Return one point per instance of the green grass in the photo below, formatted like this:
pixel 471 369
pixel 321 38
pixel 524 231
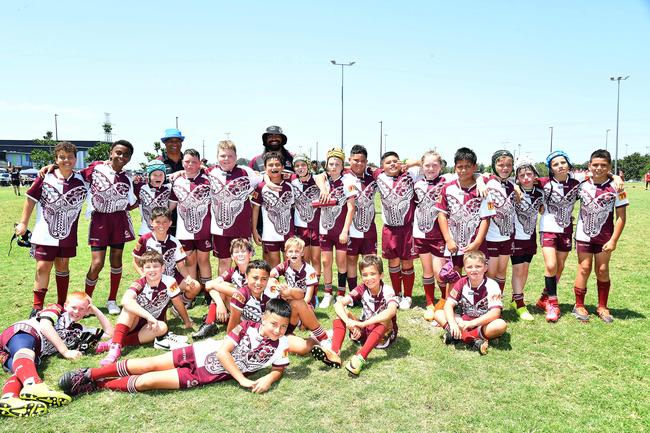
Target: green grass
pixel 538 378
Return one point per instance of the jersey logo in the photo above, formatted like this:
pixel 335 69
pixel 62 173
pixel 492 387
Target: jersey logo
pixel 61 210
pixel 228 199
pixel 193 205
pixel 279 210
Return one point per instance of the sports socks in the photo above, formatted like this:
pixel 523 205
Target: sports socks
pixel 39 298
pixel 328 288
pixel 124 384
pixel 116 277
pixel 338 336
pixel 25 370
pixel 501 282
pixel 580 296
pixel 212 313
pixel 395 273
pixel 352 282
pixel 551 288
pixel 117 369
pixel 343 276
pixel 429 289
pixel 319 334
pixel 408 278
pixel 90 286
pixel 518 298
pixel 443 289
pixel 376 334
pixel 12 387
pixel 62 284
pixel 122 336
pixel 603 292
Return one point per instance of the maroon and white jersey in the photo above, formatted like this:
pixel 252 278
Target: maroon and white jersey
pixel 559 200
pixel 364 213
pixel 305 193
pixel 502 224
pixel 155 299
pixel 475 302
pixel 276 212
pixel 596 216
pixel 58 205
pixel 332 218
pixel 397 204
pixel 427 193
pixel 301 278
pixel 230 207
pixel 251 307
pixel 171 250
pixel 371 305
pixel 252 351
pixel 110 191
pixel 233 276
pixel 150 197
pixel 69 330
pixel 465 209
pixel 526 212
pixel 193 198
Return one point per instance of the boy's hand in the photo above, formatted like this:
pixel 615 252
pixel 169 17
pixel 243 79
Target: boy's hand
pixel 609 246
pixel 72 354
pixel 45 170
pixel 454 330
pixel 343 238
pixel 256 237
pixel 246 383
pixel 152 322
pixel 172 177
pixel 481 187
pixel 222 313
pixel 518 193
pixel 261 385
pixel 189 324
pixel 355 332
pixel 452 247
pixel 20 229
pixel 473 246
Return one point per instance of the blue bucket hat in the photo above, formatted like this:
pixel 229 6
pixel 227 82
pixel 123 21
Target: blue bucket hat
pixel 172 133
pixel 554 155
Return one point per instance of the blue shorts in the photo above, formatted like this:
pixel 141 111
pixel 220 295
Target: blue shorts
pixel 21 340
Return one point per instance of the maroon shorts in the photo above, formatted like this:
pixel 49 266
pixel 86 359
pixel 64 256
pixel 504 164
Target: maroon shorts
pixel 110 229
pixel 221 246
pixel 196 364
pixel 203 245
pixel 397 243
pixel 389 337
pixel 559 241
pixel 362 246
pixel 329 241
pixel 430 246
pixel 525 247
pixel 309 236
pixel 588 247
pixel 496 249
pixel 272 246
pixel 48 253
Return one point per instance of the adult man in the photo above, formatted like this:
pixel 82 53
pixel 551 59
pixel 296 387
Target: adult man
pixel 273 140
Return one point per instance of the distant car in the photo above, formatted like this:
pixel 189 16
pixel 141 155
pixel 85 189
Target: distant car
pixel 5 178
pixel 27 178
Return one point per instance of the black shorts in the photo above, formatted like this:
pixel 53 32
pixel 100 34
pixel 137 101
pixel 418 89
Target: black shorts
pixel 517 260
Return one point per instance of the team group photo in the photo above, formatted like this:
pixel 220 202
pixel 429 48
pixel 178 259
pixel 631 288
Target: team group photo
pixel 172 277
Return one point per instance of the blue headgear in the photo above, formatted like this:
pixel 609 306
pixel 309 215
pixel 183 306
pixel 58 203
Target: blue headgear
pixel 155 165
pixel 554 155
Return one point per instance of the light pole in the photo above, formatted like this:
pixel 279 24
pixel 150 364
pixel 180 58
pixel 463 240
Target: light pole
pixel 56 127
pixel 551 128
pixel 618 100
pixel 519 153
pixel 381 142
pixel 342 65
pixel 606 137
pixel 176 122
pixel 385 142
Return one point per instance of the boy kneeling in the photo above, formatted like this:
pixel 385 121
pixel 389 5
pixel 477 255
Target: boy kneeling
pixel 378 324
pixel 478 299
pixel 247 348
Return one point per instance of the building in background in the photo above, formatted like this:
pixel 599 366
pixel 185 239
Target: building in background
pixel 17 152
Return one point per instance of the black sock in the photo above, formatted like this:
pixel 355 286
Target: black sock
pixel 551 286
pixel 343 277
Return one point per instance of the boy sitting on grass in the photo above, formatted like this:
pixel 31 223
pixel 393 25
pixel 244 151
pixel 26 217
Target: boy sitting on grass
pixel 247 348
pixel 296 272
pixel 145 305
pixel 478 300
pixel 378 324
pixel 23 344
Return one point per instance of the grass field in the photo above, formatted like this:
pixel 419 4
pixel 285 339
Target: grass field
pixel 539 378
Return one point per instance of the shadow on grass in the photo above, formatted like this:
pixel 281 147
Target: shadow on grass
pixel 618 313
pixel 399 349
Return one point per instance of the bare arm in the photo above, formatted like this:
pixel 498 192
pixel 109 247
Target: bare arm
pixel 384 316
pixel 106 324
pixel 454 329
pixel 256 216
pixel 610 245
pixel 182 311
pixel 137 267
pixel 48 331
pixel 28 208
pixel 264 383
pixel 488 317
pixel 235 319
pixel 444 229
pixel 131 306
pixel 480 236
pixel 343 237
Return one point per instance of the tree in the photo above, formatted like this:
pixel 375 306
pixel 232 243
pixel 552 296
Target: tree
pixel 542 169
pixel 99 152
pixel 41 157
pixel 157 147
pixel 633 166
pixel 243 161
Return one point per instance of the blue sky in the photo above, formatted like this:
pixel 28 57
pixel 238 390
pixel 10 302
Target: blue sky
pixel 481 74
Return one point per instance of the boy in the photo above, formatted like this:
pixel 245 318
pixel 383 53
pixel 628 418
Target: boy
pixel 191 197
pixel 249 303
pixel 221 288
pixel 335 221
pixel 378 324
pixel 111 197
pixel 363 231
pixel 478 299
pixel 396 189
pixel 154 193
pixel 464 214
pixel 276 209
pixel 597 233
pixel 22 345
pixel 231 186
pixel 306 217
pixel 145 304
pixel 246 349
pixel 58 197
pixel 296 271
pixel 171 250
